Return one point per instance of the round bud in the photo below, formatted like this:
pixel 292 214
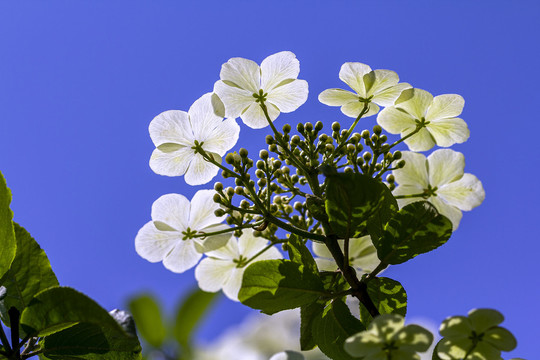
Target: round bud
pixel 366 156
pixel 285 247
pixel 244 204
pixel 401 164
pixel 229 220
pixel 296 152
pixel 243 153
pixel 229 158
pixel 343 132
pixel 298 206
pixel 350 148
pixel 299 172
pixel 269 139
pixel 272 148
pixel 329 147
pixel 273 208
pixel 278 173
pixel 261 182
pixel 383 138
pixel 390 178
pixel 385 147
pixel 348 170
pixel 356 136
pixel 224 174
pixel 378 167
pixel 286 128
pixel 288 209
pixel 277 164
pixel 323 138
pixel 219 212
pixel 295 140
pixel 294 178
pixel 285 170
pixel 259 173
pixel 318 126
pixel 315 163
pixel 359 160
pixel 273 187
pixel 239 190
pixel 217 198
pixel 263 154
pixel 218 186
pixel 365 134
pixel 308 126
pixel 260 164
pixel 278 199
pixel 335 126
pixel 397 155
pixel 359 147
pixel 237 158
pixel 377 129
pixel 238 182
pixel 374 138
pixel 230 191
pixel 300 127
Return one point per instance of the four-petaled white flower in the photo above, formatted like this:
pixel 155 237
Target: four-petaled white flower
pixel 169 237
pixel 244 85
pixel 224 267
pixel 376 87
pixel 436 116
pixel 176 134
pixel 362 255
pixel 439 179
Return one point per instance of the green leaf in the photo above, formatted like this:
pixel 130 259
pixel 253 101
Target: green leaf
pixel 8 243
pixel 147 315
pixel 275 285
pixel 308 313
pixel 190 313
pixel 299 253
pixel 389 297
pixel 351 199
pixel 332 327
pixel 377 222
pixel 415 229
pixel 30 273
pixel 316 207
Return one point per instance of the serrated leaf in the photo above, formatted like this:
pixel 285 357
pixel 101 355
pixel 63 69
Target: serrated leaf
pixel 148 319
pixel 299 253
pixel 415 229
pixel 351 199
pixel 332 327
pixel 389 297
pixel 377 222
pixel 30 273
pixel 308 313
pixel 275 285
pixel 8 244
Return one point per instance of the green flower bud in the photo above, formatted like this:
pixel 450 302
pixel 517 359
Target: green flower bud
pixel 295 140
pixel 277 164
pixel 225 174
pixel 278 173
pixel 237 158
pixel 374 138
pixel 269 139
pixel 229 158
pixel 359 147
pixel 230 191
pixel 285 170
pixel 259 174
pixel 359 160
pixel 366 156
pixel 288 209
pixel 229 220
pixel 397 155
pixel 217 198
pixel 285 247
pixel 261 182
pixel 298 206
pixel 238 182
pixel 218 186
pixel 243 153
pixel 294 178
pixel 277 199
pixel 378 167
pixel 273 187
pixel 219 212
pixel 263 154
pixel 377 129
pixel 385 147
pixel 260 165
pixel 273 208
pixel 272 148
pixel 329 147
pixel 365 134
pixel 343 133
pixel 308 127
pixel 239 190
pixel 336 126
pixel 300 127
pixel 244 204
pixel 350 148
pixel 323 138
pixel 286 128
pixel 401 164
pixel 390 178
pixel 318 126
pixel 348 170
pixel 383 138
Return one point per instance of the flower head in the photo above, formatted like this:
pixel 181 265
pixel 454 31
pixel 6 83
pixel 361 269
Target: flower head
pixel 373 87
pixel 177 134
pixel 434 116
pixel 174 235
pixel 439 179
pixel 244 85
pixel 388 338
pixel 477 336
pixel 224 267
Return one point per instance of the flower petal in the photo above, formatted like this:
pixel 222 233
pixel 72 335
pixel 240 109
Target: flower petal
pixel 223 137
pixel 227 252
pixel 414 101
pixel 202 210
pixel 421 141
pixel 212 242
pixel 183 257
pixel 450 211
pixel 456 326
pixel 483 319
pixel 454 348
pixel 172 210
pixel 414 172
pixel 485 351
pixel 277 68
pixel 337 97
pixel 353 109
pixel 212 274
pixel 242 73
pixel 445 166
pixel 413 338
pixel 236 100
pixel 364 344
pixel 254 116
pixel 171 163
pixel 321 250
pixel 234 283
pixel 500 338
pixel 289 97
pixel 465 194
pixel 249 244
pixel 378 80
pixel 352 73
pixel 445 106
pixel 203 117
pixel 324 264
pixel 201 171
pixel 171 126
pixel 395 120
pixel 388 96
pixel 152 244
pixel 363 254
pixel 448 132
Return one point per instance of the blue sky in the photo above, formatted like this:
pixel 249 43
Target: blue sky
pixel 81 80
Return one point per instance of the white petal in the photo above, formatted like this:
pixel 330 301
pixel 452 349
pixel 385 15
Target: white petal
pixel 249 245
pixel 395 120
pixel 353 109
pixel 451 212
pixel 324 264
pixel 415 171
pixel 363 254
pixel 445 166
pixel 236 100
pixel 465 193
pixel 172 210
pixel 242 73
pixel 254 116
pixel 228 252
pixel 171 127
pixel 203 117
pixel 378 80
pixel 212 274
pixel 415 102
pixel 202 210
pixel 445 106
pixel 290 96
pixel 171 163
pixel 352 73
pixel 407 201
pixel 212 242
pixel 277 68
pixel 388 96
pixel 337 97
pixel 448 132
pixel 183 257
pixel 270 254
pixel 421 141
pixel 201 171
pixel 321 250
pixel 234 283
pixel 223 137
pixel 408 190
pixel 152 244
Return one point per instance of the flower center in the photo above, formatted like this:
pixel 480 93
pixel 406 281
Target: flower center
pixel 365 100
pixel 197 146
pixel 421 123
pixel 430 191
pixel 240 262
pixel 260 97
pixel 476 338
pixel 189 234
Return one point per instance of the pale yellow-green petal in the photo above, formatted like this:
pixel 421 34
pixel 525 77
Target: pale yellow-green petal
pixel 171 163
pixel 414 101
pixel 445 106
pixel 202 117
pixel 448 132
pixel 352 73
pixel 211 274
pixel 242 73
pixel 235 100
pixel 453 348
pixel 421 141
pixel 388 96
pixel 222 138
pixel 445 166
pixel 353 109
pixel 201 171
pixel 172 210
pixel 153 244
pixel 378 80
pixel 254 116
pixel 277 68
pixel 290 96
pixel 483 319
pixel 465 193
pixel 171 126
pixel 415 171
pixel 183 257
pixel 456 326
pixel 395 120
pixel 337 97
pixel 500 338
pixel 413 338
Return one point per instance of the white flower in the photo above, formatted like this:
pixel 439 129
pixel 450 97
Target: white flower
pixel 175 132
pixel 243 82
pixel 362 255
pixel 224 267
pixel 378 87
pixel 436 115
pixel 169 236
pixel 440 180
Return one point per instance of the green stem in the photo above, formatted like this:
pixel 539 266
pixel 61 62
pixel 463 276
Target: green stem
pixel 409 196
pixel 263 250
pixel 293 229
pixel 4 339
pixel 245 226
pixel 382 265
pixel 418 128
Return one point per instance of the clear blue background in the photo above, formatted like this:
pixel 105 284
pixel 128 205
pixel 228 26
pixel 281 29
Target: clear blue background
pixel 81 80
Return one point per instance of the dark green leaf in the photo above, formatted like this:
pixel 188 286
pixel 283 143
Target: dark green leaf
pixel 148 319
pixel 334 281
pixel 389 297
pixel 351 199
pixel 308 313
pixel 299 253
pixel 415 229
pixel 192 310
pixel 275 285
pixel 332 327
pixel 29 274
pixel 376 223
pixel 316 207
pixel 8 244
